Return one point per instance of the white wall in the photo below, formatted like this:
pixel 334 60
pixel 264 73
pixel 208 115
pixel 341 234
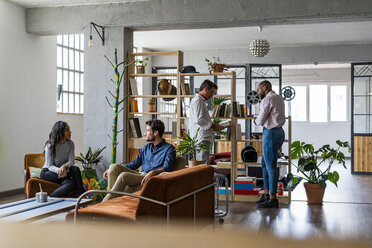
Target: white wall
pixel 27 95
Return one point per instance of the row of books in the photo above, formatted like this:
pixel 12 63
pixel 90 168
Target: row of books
pixel 239 110
pixel 135 128
pixel 254 191
pixel 242 186
pixel 133 105
pixel 225 110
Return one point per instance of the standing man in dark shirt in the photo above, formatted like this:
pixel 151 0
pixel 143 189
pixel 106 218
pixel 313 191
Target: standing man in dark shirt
pixel 272 118
pixel 155 158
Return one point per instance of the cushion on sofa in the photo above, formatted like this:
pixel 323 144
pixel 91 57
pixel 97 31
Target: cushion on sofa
pixel 34 172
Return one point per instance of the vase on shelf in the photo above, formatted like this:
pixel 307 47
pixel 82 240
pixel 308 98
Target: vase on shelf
pixel 140 69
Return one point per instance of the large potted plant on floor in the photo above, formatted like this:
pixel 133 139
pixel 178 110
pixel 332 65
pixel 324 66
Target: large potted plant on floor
pixel 315 167
pixel 190 145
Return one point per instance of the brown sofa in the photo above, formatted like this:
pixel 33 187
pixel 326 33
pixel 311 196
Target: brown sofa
pixel 165 188
pixel 32 184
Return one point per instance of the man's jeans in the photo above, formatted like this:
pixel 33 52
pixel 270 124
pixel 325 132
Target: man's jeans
pixel 272 140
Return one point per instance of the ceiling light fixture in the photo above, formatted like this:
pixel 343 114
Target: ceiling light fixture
pixel 101 36
pixel 259 48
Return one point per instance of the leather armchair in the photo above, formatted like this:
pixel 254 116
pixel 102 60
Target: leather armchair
pixel 32 184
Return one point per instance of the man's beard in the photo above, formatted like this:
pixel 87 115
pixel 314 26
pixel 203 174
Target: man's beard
pixel 150 139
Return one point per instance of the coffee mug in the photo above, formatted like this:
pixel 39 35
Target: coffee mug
pixel 41 197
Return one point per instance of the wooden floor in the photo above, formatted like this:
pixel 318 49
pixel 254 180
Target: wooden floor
pixel 346 212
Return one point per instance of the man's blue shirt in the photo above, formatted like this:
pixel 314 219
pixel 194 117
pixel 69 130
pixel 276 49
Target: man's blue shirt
pixel 160 157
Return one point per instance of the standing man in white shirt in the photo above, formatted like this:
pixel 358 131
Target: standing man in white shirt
pixel 200 118
pixel 271 116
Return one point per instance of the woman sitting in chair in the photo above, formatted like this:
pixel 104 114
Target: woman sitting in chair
pixel 59 161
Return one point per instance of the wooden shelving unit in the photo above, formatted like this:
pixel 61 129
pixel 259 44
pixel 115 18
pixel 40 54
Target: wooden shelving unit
pixel 181 119
pixel 132 74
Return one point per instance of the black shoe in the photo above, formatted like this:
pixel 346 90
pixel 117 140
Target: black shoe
pixel 264 197
pixel 271 203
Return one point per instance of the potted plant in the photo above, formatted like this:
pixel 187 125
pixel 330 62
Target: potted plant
pixel 216 65
pixel 314 172
pixel 90 158
pixel 89 175
pixel 141 64
pixel 151 105
pixel 190 145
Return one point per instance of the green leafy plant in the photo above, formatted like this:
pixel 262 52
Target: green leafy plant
pixel 152 101
pixel 310 161
pixel 218 100
pixel 142 61
pixel 90 158
pixel 190 145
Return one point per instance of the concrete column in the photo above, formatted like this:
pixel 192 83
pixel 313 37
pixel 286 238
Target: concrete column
pixel 98 115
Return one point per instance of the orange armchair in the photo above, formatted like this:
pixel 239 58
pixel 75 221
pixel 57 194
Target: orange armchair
pixel 32 184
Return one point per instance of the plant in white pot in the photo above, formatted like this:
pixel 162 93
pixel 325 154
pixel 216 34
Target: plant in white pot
pixel 312 164
pixel 191 145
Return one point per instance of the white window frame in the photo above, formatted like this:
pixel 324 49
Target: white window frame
pixel 80 72
pixel 329 84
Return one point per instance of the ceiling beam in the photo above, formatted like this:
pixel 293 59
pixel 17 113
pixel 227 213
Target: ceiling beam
pixel 182 14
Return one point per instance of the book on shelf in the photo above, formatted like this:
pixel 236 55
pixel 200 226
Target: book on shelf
pixel 138 127
pixel 238 132
pixel 183 88
pixel 222 190
pixel 228 133
pixel 240 110
pixel 134 105
pixel 234 109
pixel 244 179
pixel 174 130
pixel 222 110
pixel 132 129
pixel 135 127
pixel 133 86
pixel 255 191
pixel 243 186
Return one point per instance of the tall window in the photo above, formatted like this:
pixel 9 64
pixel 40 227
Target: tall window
pixel 70 73
pixel 318 103
pixel 298 105
pixel 338 103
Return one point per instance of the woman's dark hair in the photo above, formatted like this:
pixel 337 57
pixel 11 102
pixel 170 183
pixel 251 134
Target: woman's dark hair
pixel 56 135
pixel 156 125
